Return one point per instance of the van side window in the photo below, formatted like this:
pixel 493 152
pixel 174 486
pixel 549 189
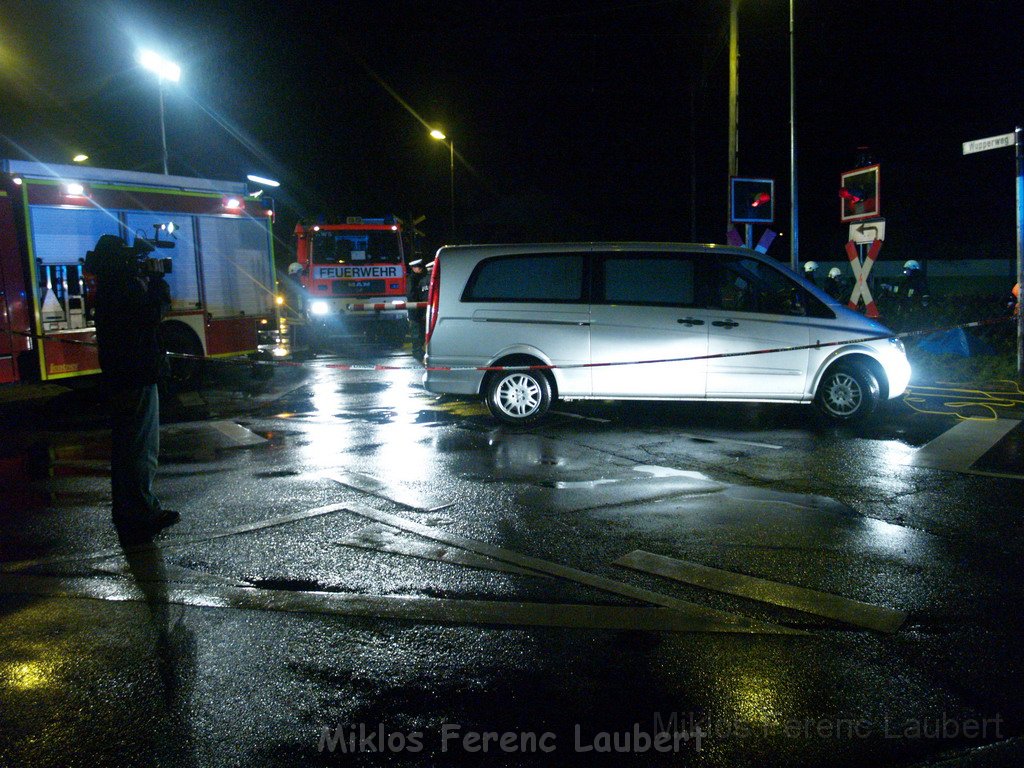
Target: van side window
pixel 552 278
pixel 663 280
pixel 746 285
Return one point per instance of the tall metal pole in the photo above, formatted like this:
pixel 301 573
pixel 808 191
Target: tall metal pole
pixel 1019 153
pixel 451 173
pixel 794 247
pixel 163 131
pixel 734 88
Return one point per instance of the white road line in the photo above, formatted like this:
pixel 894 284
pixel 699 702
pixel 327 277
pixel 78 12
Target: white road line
pixel 170 543
pixel 830 606
pixel 381 538
pixel 418 609
pixel 709 619
pixel 390 491
pixel 956 449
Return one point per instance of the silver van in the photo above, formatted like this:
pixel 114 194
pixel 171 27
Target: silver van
pixel 524 325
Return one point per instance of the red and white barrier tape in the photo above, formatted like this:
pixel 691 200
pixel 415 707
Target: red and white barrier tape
pixel 487 368
pixel 382 306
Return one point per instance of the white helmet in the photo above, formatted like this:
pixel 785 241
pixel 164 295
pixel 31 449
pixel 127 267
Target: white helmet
pixel 294 268
pixel 835 272
pixel 911 265
pixel 810 266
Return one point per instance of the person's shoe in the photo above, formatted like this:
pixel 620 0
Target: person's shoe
pixel 132 534
pixel 164 519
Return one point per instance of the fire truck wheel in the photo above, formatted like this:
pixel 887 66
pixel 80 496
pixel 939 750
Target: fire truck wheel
pixel 186 373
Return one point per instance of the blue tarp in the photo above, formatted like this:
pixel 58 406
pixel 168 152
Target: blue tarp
pixel 956 342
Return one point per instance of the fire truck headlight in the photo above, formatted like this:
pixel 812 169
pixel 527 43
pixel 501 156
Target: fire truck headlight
pixel 320 308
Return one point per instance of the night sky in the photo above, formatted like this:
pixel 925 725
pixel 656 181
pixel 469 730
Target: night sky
pixel 571 121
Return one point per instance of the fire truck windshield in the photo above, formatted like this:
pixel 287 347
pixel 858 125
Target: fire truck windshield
pixel 376 246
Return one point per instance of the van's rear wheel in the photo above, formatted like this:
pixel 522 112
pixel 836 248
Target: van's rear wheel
pixel 519 397
pixel 848 393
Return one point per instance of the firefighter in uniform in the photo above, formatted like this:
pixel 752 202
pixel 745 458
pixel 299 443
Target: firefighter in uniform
pixel 810 268
pixel 130 303
pixel 834 285
pixel 416 291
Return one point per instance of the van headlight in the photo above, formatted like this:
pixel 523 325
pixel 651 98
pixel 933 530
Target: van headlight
pixel 320 308
pixel 897 345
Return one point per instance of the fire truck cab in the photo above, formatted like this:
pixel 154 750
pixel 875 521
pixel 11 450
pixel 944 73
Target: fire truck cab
pixel 356 262
pixel 221 277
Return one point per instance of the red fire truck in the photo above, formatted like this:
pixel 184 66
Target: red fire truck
pixel 359 261
pixel 222 275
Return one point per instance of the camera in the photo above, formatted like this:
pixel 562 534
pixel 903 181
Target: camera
pixel 112 254
pixel 151 265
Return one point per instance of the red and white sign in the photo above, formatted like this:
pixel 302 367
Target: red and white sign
pixel 859 194
pixel 860 275
pixel 374 272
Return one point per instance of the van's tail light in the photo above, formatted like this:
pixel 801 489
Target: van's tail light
pixel 433 298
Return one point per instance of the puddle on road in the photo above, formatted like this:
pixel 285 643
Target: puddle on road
pixel 276 473
pixel 363 387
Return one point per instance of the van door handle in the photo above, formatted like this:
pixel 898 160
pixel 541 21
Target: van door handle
pixel 725 323
pixel 691 321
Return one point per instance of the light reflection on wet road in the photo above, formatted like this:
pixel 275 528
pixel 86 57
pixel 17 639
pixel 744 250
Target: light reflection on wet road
pixel 241 641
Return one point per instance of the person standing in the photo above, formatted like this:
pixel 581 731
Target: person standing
pixel 835 286
pixel 416 291
pixel 130 303
pixel 810 271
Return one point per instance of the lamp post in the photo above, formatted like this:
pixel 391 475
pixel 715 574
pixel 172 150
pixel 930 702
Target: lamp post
pixel 439 135
pixel 164 70
pixel 794 253
pixel 794 240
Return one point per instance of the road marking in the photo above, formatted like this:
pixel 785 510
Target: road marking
pixel 710 620
pixel 382 538
pixel 464 408
pixel 830 606
pixel 235 435
pixel 418 609
pixel 956 449
pixel 238 434
pixel 389 491
pixel 170 543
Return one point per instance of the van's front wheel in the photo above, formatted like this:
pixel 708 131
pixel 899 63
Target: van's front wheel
pixel 848 393
pixel 519 397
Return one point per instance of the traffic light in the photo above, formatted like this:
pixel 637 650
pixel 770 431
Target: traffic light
pixel 858 194
pixel 753 201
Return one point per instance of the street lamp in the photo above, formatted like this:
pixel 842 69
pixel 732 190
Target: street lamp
pixel 794 253
pixel 164 70
pixel 439 135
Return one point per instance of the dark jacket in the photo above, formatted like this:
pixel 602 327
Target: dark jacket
pixel 129 308
pixel 417 289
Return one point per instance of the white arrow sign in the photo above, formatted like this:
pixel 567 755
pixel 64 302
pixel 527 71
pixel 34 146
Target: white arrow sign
pixel 867 231
pixel 992 142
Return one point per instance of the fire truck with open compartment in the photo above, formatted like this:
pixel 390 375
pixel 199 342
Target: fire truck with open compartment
pixel 358 261
pixel 222 276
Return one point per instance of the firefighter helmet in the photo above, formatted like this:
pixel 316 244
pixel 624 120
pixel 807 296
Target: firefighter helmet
pixel 810 266
pixel 834 273
pixel 911 266
pixel 295 268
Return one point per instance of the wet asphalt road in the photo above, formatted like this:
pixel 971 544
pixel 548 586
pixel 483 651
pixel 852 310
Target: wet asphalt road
pixel 366 574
